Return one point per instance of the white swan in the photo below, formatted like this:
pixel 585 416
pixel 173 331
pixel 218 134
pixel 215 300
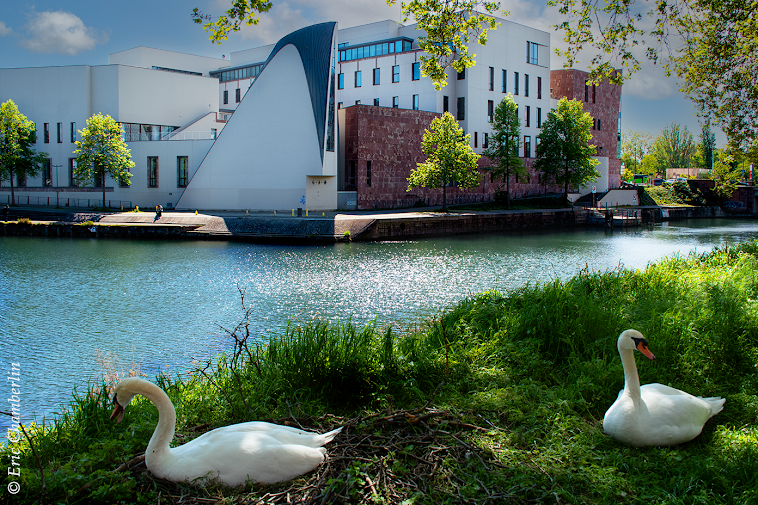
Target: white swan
pixel 654 414
pixel 255 451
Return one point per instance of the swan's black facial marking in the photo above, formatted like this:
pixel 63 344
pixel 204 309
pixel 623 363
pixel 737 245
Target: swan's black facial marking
pixel 641 345
pixel 118 410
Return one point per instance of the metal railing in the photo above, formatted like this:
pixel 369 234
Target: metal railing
pixel 81 203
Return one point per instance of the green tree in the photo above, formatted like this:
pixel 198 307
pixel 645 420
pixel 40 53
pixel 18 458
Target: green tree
pixel 674 147
pixel 449 27
pixel 102 152
pixel 564 153
pixel 725 174
pixel 504 145
pixel 707 144
pixel 634 146
pixel 649 165
pixel 450 159
pixel 18 157
pixel 710 45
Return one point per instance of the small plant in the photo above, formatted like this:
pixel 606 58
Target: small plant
pixel 24 220
pixel 89 222
pixel 346 234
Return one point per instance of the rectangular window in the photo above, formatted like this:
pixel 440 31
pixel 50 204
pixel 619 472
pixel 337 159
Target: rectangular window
pixel 527 146
pixel 152 171
pixel 586 92
pixel 532 53
pixel 71 173
pixel 60 133
pixel 486 140
pixel 505 81
pixel 461 108
pixel 237 95
pixel 73 132
pixel 526 84
pixel 416 71
pixel 490 110
pixel 340 81
pixel 476 140
pixel 357 102
pixel 339 105
pixel 181 171
pixel 539 117
pixel 46 138
pixel 396 73
pixel 528 114
pixel 462 75
pixel 47 173
pixel 515 84
pixel 492 78
pixel 376 102
pixel 594 123
pixel 445 104
pixel 415 102
pixel 214 133
pixel 593 93
pixel 357 78
pixel 226 96
pixel 598 124
pixel 395 102
pixel 539 88
pixel 368 173
pixel 376 77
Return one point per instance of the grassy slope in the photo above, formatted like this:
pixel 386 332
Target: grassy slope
pixel 519 383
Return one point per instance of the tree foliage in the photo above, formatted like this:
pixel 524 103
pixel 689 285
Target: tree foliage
pixel 505 143
pixel 564 154
pixel 450 159
pixel 241 11
pixel 18 157
pixel 450 25
pixel 102 152
pixel 707 145
pixel 634 146
pixel 725 174
pixel 674 147
pixel 710 45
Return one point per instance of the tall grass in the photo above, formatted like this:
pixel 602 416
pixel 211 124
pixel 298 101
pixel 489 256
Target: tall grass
pixel 535 368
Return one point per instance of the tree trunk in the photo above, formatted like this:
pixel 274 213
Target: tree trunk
pixel 444 197
pixel 102 181
pixel 508 189
pixel 13 194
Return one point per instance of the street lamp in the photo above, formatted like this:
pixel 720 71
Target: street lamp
pixel 57 180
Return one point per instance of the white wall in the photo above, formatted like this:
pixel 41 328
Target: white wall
pixel 148 57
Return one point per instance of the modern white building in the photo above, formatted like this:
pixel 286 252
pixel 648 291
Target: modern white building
pixel 259 131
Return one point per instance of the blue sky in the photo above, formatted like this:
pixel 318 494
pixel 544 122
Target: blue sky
pixel 49 32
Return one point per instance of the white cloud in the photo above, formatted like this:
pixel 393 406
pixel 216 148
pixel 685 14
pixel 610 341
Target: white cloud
pixel 60 32
pixel 274 24
pixel 5 30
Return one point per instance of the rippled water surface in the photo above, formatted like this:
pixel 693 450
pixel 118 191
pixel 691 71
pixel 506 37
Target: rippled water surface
pixel 158 305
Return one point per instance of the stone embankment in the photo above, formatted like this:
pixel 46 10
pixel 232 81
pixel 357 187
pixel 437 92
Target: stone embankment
pixel 330 228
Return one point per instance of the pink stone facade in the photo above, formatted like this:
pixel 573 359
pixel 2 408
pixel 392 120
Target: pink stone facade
pixel 602 102
pixel 389 140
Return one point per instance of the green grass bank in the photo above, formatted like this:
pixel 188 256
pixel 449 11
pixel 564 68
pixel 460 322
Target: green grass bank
pixel 499 399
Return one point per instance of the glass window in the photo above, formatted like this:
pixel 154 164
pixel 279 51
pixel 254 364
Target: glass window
pixel 357 79
pixel 532 53
pixel 376 102
pixel 226 96
pixel 357 102
pixel 539 87
pixel 476 140
pixel 515 84
pixel 492 78
pixel 462 75
pixel 598 124
pixel 376 76
pixel 527 146
pixel 152 171
pixel 395 102
pixel 461 108
pixel 372 50
pixel 396 73
pixel 73 132
pixel 47 133
pixel 445 104
pixel 47 173
pixel 586 92
pixel 490 110
pixel 237 95
pixel 505 81
pixel 485 140
pixel 415 102
pixel 181 171
pixel 60 133
pixel 360 52
pixel 71 169
pixel 398 46
pixel 528 114
pixel 526 84
pixel 539 117
pixel 340 81
pixel 416 71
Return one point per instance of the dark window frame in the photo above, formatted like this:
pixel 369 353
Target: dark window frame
pixel 492 78
pixel 515 84
pixel 152 177
pixel 73 132
pixel 358 79
pixel 461 108
pixel 182 179
pixel 415 71
pixel 395 73
pixel 377 77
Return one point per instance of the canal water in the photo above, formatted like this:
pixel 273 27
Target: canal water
pixel 70 308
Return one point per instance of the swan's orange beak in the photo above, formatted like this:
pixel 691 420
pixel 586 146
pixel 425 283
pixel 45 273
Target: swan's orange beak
pixel 642 347
pixel 118 411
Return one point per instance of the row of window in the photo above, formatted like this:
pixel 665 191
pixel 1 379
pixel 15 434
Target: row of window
pixel 504 82
pixel 376 76
pixel 238 73
pixel 371 50
pixel 395 103
pixel 182 168
pixel 237 96
pixel 59 132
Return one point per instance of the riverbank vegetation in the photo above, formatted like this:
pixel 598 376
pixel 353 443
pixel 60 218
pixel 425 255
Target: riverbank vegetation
pixel 678 193
pixel 499 399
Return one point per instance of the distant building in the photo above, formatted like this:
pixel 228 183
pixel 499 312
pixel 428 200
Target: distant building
pixel 277 127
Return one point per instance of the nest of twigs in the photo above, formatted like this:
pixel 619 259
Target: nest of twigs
pixel 386 457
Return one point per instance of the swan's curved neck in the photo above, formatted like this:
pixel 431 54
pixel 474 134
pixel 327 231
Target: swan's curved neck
pixel 631 378
pixel 164 432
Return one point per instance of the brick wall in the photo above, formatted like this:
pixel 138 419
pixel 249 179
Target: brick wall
pixel 570 83
pixel 391 140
